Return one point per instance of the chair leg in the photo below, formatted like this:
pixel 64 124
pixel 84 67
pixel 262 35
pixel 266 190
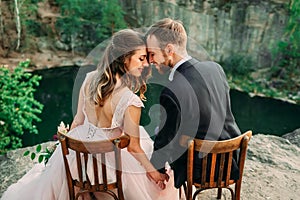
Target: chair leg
pixel 237 192
pixel 185 190
pixel 189 194
pixel 219 193
pixel 92 195
pixel 180 192
pixel 196 193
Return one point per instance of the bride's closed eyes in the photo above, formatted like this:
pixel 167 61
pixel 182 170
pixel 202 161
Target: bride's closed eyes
pixel 142 58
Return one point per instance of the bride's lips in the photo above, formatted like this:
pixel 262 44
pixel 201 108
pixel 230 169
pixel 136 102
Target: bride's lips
pixel 140 69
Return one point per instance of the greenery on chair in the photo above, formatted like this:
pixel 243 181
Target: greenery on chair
pixel 41 155
pixel 44 155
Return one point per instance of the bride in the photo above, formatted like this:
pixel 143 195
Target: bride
pixel 107 102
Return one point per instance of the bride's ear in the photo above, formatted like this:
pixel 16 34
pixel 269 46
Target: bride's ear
pixel 126 61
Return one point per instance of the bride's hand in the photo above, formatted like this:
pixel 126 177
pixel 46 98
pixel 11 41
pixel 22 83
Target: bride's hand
pixel 158 178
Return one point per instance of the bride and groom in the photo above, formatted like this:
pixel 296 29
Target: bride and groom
pixel 108 107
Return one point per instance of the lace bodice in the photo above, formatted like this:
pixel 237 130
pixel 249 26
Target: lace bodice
pixel 128 98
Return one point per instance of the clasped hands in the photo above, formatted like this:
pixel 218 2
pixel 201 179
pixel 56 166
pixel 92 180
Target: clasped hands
pixel 158 178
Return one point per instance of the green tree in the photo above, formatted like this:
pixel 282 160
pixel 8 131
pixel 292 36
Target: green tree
pixel 112 17
pixel 18 107
pixel 22 9
pixel 94 21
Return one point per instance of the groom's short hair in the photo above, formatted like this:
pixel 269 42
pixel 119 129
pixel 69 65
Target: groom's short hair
pixel 168 31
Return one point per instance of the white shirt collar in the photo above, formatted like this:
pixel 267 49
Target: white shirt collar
pixel 177 65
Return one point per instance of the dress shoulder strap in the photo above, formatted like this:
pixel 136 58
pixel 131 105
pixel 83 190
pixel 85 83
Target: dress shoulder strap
pixel 128 99
pixel 84 90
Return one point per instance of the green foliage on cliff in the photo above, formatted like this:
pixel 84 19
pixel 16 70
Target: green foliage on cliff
pixel 282 79
pixel 79 24
pixel 18 107
pixel 285 71
pixel 91 22
pixel 238 64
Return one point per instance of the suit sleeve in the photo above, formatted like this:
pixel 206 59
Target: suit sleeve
pixel 164 141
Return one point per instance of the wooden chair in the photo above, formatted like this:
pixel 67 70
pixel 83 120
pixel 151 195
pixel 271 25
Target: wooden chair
pixel 224 151
pixel 83 149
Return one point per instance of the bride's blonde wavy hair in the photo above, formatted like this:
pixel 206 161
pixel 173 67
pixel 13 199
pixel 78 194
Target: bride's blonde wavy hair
pixel 122 46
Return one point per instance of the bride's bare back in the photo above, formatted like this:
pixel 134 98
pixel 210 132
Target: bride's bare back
pixel 101 116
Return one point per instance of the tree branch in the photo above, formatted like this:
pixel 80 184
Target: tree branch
pixel 18 24
pixel 1 26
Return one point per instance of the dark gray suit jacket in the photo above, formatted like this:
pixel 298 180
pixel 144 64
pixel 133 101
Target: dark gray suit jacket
pixel 195 103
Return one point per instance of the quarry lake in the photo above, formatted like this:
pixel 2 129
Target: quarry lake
pixel 58 92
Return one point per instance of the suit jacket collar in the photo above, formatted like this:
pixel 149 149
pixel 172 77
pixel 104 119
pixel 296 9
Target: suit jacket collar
pixel 185 65
pixel 178 65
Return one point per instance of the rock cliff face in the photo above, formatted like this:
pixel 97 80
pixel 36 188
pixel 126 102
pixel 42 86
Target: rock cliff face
pixel 223 27
pixel 271 171
pixel 45 50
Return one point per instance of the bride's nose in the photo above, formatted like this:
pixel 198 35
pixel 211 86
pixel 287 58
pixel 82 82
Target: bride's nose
pixel 145 63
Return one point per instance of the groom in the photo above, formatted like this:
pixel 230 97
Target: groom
pixel 195 100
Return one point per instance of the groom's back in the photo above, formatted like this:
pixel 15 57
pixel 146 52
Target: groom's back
pixel 202 93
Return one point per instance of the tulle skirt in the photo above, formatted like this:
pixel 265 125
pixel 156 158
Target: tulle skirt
pixel 49 182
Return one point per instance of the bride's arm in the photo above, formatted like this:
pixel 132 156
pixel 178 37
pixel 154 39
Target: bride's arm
pixel 131 127
pixel 79 117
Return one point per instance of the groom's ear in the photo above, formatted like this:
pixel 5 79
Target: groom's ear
pixel 170 49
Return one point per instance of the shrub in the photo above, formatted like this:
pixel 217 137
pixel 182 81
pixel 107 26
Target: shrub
pixel 18 107
pixel 238 64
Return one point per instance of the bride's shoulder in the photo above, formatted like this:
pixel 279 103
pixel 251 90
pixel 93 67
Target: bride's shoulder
pixel 131 98
pixel 128 93
pixel 91 75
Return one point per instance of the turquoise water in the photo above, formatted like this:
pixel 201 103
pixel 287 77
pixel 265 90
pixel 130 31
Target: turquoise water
pixel 56 91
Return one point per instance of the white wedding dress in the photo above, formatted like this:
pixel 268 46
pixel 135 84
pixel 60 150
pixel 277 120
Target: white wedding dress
pixel 49 182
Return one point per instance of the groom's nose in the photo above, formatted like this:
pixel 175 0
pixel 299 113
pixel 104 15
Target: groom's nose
pixel 150 58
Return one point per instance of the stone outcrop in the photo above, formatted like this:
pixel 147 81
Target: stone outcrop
pixel 293 137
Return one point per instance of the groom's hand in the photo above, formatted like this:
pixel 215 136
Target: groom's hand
pixel 158 178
